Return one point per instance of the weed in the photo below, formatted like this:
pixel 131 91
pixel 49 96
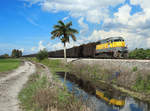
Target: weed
pixel 142 84
pixel 28 92
pixel 135 69
pixel 42 54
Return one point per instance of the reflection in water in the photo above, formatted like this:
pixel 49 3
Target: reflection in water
pixel 100 105
pixel 110 99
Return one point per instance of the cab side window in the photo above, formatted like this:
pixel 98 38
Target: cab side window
pixel 102 42
pixel 117 40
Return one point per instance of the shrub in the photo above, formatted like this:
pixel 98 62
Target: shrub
pixel 16 53
pixel 4 56
pixel 142 84
pixel 42 54
pixel 135 69
pixel 140 54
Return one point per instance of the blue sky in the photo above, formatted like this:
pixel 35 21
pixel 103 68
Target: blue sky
pixel 26 24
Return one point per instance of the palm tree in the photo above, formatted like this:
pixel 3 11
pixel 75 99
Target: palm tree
pixel 64 32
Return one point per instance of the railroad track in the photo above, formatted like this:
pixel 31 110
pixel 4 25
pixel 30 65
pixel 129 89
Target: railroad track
pixel 121 59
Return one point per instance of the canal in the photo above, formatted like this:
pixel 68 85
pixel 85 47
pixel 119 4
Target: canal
pixel 96 103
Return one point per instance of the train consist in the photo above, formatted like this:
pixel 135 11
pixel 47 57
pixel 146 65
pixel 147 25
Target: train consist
pixel 113 47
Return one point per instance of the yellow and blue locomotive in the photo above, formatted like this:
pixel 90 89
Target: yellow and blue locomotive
pixel 114 47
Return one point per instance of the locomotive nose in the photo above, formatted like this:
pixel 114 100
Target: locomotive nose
pixel 124 49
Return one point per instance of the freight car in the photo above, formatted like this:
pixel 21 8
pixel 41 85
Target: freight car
pixel 113 47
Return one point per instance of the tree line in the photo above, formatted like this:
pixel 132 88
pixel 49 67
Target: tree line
pixel 139 53
pixel 15 54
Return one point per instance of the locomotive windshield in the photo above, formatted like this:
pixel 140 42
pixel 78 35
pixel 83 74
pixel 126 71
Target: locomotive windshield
pixel 117 40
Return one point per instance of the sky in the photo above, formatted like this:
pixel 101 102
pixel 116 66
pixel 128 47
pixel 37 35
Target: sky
pixel 26 24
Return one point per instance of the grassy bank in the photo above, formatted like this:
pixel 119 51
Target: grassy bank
pixel 41 94
pixel 54 65
pixel 8 64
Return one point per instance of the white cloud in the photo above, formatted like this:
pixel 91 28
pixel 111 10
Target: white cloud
pixel 140 18
pixel 22 49
pixel 122 17
pixel 72 43
pixel 60 45
pixel 84 26
pixel 148 42
pixel 49 44
pixel 135 2
pixel 41 46
pixel 57 46
pixel 101 34
pixel 93 10
pixel 65 18
pixel 123 14
pixel 97 15
pixel 143 3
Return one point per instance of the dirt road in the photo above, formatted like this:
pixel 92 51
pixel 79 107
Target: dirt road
pixel 11 85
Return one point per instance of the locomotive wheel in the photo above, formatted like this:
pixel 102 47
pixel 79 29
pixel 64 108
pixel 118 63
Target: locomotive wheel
pixel 125 55
pixel 120 55
pixel 115 55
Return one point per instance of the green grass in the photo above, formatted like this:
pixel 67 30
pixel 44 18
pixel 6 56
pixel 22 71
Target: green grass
pixel 142 85
pixel 54 65
pixel 26 95
pixel 8 64
pixel 135 69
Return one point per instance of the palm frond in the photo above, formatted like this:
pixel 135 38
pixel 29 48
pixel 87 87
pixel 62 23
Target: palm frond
pixel 54 31
pixel 56 34
pixel 53 37
pixel 61 23
pixel 57 27
pixel 73 30
pixel 73 37
pixel 68 24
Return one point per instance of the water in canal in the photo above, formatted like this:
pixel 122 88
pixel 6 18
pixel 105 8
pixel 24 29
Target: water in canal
pixel 97 104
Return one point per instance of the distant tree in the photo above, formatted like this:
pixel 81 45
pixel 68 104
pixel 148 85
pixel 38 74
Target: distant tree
pixel 140 53
pixel 42 54
pixel 13 53
pixel 64 32
pixel 4 56
pixel 20 53
pixel 16 53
